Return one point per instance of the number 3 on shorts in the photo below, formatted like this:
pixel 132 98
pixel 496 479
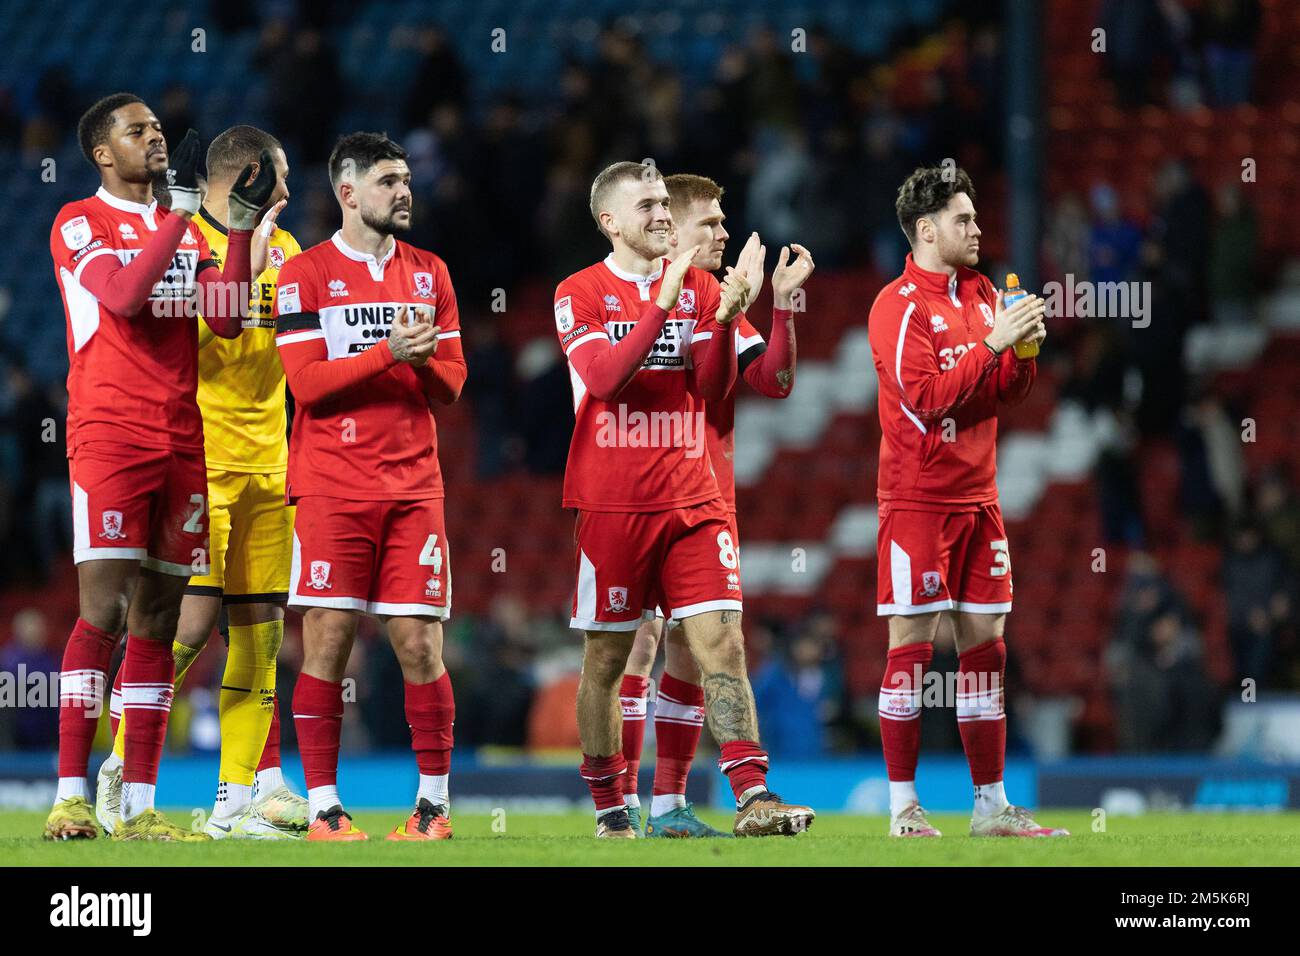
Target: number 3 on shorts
pixel 1001 558
pixel 432 554
pixel 727 551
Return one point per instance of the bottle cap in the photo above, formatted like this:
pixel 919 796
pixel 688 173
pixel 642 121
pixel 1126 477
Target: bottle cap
pixel 1013 281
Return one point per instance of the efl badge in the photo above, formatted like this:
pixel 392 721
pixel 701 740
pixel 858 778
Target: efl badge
pixel 424 285
pixel 76 232
pixel 988 314
pixel 618 600
pixel 930 583
pixel 112 526
pixel 564 314
pixel 320 576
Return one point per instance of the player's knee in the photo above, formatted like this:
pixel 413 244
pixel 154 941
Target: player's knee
pixel 107 612
pixel 604 661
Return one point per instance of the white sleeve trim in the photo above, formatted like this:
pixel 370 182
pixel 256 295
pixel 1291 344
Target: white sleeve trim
pixel 306 335
pixel 76 273
pixel 448 335
pixel 589 337
pixel 898 353
pixel 701 337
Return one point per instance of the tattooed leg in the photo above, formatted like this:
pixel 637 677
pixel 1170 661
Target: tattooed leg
pixel 716 641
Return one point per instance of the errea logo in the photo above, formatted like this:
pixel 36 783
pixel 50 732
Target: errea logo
pixel 338 288
pixel 127 230
pixel 612 304
pixel 937 324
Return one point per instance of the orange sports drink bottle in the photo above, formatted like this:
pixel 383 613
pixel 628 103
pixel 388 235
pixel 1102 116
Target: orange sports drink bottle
pixel 1024 349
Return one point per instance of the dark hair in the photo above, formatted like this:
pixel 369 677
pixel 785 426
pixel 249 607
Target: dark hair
pixel 611 176
pixel 928 190
pixel 362 150
pixel 234 149
pixel 93 127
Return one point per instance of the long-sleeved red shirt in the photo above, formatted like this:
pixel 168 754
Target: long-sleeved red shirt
pixel 939 389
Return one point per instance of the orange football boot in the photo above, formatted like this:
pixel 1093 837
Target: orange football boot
pixel 427 822
pixel 334 824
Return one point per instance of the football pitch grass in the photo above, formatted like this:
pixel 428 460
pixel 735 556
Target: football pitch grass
pixel 530 839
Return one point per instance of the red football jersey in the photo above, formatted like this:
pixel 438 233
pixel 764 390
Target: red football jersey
pixel 939 388
pixel 376 440
pixel 720 417
pixel 646 450
pixel 131 378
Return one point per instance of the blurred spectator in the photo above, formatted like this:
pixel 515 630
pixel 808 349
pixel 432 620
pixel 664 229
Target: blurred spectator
pixel 1164 700
pixel 1068 242
pixel 1136 34
pixel 306 88
pixel 176 113
pixel 1277 514
pixel 1230 29
pixel 492 394
pixel 1233 245
pixel 1118 490
pixel 495 695
pixel 1260 591
pixel 440 78
pixel 31 727
pixel 1212 482
pixel 545 407
pixel 1113 245
pixel 798 694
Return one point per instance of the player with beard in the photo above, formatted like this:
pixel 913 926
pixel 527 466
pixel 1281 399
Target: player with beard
pixel 369 334
pixel 941 340
pixel 131 274
pixel 696 203
pixel 648 344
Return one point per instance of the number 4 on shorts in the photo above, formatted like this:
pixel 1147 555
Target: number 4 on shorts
pixel 432 554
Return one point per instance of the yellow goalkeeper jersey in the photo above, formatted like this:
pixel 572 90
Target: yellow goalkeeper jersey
pixel 241 381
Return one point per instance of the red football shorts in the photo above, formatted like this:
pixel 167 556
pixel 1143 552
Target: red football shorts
pixel 382 557
pixel 683 560
pixel 735 540
pixel 942 561
pixel 143 504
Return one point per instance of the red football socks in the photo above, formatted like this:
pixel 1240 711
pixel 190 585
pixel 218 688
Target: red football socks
pixel 81 694
pixel 604 776
pixel 900 709
pixel 679 720
pixel 981 717
pixel 745 764
pixel 147 688
pixel 430 711
pixel 632 695
pixel 318 718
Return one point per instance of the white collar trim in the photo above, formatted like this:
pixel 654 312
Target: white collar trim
pixel 632 276
pixel 125 204
pixel 354 254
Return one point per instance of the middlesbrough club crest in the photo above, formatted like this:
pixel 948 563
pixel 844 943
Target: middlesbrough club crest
pixel 618 599
pixel 112 526
pixel 930 583
pixel 276 255
pixel 686 301
pixel 424 285
pixel 320 576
